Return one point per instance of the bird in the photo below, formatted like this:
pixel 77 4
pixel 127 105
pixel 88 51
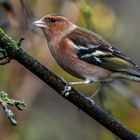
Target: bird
pixel 84 53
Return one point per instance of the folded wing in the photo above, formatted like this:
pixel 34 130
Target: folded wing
pixel 93 49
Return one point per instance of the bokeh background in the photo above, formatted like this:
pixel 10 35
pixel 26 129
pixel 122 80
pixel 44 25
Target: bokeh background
pixel 47 115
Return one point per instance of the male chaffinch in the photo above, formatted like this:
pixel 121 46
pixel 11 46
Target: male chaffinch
pixel 85 54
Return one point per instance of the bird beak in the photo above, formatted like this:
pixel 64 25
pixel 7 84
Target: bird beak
pixel 40 23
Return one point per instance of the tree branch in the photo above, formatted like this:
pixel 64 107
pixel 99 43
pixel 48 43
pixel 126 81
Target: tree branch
pixel 14 51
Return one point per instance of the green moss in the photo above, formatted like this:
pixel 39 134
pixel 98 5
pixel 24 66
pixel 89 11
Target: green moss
pixel 5 101
pixel 8 41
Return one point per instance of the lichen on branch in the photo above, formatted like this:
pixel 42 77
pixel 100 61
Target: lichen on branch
pixel 5 101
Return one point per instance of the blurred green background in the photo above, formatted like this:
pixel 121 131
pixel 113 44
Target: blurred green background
pixel 47 115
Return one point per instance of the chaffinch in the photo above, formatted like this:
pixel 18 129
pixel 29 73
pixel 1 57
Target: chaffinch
pixel 85 54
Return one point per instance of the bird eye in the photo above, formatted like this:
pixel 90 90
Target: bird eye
pixel 52 20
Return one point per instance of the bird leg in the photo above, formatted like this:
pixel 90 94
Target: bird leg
pixel 69 84
pixel 93 95
pixel 102 84
pixel 95 92
pixel 87 81
pixel 68 87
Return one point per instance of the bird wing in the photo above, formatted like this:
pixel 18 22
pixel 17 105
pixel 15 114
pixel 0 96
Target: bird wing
pixel 93 49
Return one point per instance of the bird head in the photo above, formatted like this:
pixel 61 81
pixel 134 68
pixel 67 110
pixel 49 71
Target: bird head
pixel 55 25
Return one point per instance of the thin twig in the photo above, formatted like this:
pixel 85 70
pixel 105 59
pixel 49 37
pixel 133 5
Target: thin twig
pixel 5 101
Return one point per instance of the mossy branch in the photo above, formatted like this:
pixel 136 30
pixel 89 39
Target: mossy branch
pixel 14 51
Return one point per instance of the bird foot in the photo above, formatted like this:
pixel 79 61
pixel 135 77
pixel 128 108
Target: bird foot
pixel 91 101
pixel 67 88
pixel 95 93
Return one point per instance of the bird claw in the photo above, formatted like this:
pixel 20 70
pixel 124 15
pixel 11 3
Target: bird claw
pixel 66 90
pixel 91 101
pixel 67 87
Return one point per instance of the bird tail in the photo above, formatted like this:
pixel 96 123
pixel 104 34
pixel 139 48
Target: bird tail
pixel 133 74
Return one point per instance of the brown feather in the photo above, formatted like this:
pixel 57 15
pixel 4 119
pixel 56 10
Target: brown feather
pixel 82 35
